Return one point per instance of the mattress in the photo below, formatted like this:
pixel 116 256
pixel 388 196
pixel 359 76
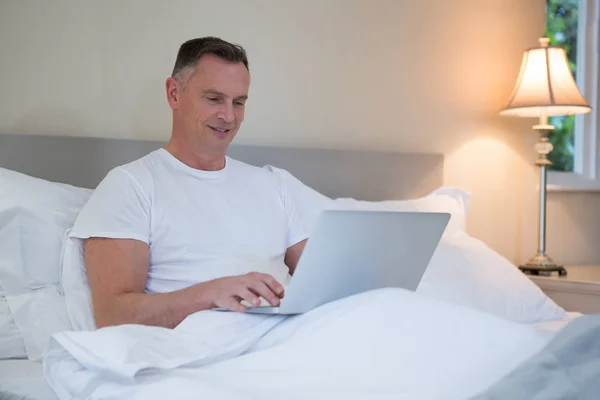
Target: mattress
pixel 23 380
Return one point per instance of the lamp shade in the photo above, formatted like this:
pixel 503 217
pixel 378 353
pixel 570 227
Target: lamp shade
pixel 545 83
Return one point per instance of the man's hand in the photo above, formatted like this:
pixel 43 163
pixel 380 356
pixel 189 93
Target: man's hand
pixel 228 292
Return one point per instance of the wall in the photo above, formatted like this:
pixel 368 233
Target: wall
pixel 420 75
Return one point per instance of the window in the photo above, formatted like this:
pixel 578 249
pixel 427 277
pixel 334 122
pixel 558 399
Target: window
pixel 562 18
pixel 573 25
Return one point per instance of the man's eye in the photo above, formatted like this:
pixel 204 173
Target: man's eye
pixel 239 104
pixel 213 99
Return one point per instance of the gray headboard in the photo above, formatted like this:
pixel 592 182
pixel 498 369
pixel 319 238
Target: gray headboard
pixel 366 175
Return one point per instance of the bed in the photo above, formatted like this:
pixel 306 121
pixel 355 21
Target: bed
pixel 357 179
pixel 24 379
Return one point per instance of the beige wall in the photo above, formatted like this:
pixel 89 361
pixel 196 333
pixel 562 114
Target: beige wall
pixel 412 75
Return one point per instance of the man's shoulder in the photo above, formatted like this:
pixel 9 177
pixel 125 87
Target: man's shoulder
pixel 140 172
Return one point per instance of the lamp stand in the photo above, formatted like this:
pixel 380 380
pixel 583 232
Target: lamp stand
pixel 542 264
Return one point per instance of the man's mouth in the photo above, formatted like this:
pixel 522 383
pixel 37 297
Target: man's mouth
pixel 221 132
pixel 225 130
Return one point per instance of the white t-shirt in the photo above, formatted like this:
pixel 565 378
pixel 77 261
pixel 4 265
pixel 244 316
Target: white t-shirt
pixel 200 225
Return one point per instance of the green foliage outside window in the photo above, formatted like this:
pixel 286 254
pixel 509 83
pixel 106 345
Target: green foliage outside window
pixel 561 29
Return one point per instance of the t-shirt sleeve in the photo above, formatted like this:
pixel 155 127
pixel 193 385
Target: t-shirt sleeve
pixel 296 228
pixel 118 208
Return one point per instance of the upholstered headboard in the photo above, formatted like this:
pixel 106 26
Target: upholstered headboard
pixel 366 175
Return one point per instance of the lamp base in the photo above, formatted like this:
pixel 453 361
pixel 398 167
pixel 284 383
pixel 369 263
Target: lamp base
pixel 541 264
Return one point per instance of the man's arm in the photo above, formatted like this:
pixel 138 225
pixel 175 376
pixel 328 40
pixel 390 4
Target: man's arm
pixel 292 255
pixel 117 271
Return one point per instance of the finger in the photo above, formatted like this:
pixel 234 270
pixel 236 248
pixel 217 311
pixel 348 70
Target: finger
pixel 260 288
pixel 272 283
pixel 233 304
pixel 245 294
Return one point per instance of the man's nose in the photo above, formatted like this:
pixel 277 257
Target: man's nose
pixel 226 113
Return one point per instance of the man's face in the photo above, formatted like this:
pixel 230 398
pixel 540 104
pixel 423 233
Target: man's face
pixel 210 109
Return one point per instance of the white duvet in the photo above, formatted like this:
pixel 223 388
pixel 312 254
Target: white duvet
pixel 384 344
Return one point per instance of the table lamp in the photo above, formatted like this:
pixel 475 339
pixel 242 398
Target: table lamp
pixel 545 87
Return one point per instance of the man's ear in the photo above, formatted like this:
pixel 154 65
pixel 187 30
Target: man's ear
pixel 173 90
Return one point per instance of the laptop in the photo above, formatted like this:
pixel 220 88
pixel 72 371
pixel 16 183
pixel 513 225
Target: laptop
pixel 351 252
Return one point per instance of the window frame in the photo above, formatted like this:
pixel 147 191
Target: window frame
pixel 586 174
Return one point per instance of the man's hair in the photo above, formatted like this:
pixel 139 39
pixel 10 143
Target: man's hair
pixel 191 51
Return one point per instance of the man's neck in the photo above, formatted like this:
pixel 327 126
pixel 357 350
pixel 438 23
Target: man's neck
pixel 195 158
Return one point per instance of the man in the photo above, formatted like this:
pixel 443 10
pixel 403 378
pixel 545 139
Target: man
pixel 186 228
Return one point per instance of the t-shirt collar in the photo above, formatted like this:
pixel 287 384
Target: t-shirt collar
pixel 202 174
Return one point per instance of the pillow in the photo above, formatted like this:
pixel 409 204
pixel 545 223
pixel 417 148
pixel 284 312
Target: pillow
pixel 34 217
pixel 463 269
pixel 436 201
pixel 310 202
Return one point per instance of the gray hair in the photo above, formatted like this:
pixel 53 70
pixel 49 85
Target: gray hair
pixel 191 51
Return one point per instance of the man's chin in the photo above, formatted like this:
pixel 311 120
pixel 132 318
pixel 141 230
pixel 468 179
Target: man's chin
pixel 220 143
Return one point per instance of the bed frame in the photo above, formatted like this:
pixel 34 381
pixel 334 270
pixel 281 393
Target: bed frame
pixel 365 175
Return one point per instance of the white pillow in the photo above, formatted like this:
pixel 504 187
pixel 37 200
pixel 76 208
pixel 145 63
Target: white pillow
pixel 437 201
pixel 463 270
pixel 310 203
pixel 34 217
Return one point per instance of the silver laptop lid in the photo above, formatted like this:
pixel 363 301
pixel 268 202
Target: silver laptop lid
pixel 351 252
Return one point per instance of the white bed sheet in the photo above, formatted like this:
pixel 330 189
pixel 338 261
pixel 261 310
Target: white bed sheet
pixel 23 380
pixel 369 339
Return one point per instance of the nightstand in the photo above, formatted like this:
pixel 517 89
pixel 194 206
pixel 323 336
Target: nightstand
pixel 579 290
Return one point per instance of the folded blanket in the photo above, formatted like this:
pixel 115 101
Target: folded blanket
pixel 382 344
